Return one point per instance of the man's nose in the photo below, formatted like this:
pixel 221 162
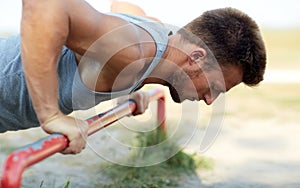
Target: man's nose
pixel 210 98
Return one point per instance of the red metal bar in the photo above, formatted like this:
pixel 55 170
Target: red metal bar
pixel 161 113
pixel 28 155
pixel 161 107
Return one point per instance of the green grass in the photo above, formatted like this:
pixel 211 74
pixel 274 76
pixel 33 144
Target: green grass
pixel 167 173
pixel 66 185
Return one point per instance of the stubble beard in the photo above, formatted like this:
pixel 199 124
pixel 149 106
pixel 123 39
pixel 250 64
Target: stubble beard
pixel 176 83
pixel 175 86
pixel 174 94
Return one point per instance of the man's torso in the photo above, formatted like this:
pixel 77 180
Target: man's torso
pixel 16 110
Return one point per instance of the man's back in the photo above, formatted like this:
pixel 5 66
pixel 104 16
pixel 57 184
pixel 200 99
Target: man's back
pixel 17 110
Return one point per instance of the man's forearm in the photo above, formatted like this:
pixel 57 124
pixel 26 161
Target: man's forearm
pixel 44 30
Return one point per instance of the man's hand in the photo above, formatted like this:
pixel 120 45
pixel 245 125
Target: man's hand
pixel 141 99
pixel 75 130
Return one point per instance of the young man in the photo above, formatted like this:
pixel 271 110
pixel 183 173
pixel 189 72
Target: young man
pixel 73 57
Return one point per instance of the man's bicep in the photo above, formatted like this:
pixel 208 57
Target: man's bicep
pixel 44 23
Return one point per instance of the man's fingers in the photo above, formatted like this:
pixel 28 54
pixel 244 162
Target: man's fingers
pixel 142 100
pixel 75 147
pixel 77 141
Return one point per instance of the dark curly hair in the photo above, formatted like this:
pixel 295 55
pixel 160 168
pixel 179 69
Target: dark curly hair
pixel 233 38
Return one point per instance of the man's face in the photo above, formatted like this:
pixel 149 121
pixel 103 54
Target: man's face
pixel 193 84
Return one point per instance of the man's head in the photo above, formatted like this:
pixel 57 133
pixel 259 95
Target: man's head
pixel 226 42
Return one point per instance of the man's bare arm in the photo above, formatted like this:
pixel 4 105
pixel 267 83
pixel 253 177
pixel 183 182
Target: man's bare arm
pixel 44 30
pixel 47 26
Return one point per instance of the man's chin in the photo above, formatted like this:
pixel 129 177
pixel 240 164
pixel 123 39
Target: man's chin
pixel 174 94
pixel 176 100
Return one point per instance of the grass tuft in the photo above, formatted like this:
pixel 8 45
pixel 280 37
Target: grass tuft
pixel 161 175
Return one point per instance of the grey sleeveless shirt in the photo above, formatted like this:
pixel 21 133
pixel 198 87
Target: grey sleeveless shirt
pixel 16 110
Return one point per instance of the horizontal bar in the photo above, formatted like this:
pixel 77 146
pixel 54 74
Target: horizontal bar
pixel 33 153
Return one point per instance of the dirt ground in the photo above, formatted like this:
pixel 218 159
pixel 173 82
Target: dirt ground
pixel 257 146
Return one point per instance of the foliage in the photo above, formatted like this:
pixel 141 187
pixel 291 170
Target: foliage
pixel 161 175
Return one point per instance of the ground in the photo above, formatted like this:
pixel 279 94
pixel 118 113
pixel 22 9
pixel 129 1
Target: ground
pixel 257 146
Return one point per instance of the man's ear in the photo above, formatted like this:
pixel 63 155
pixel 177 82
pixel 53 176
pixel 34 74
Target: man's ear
pixel 198 54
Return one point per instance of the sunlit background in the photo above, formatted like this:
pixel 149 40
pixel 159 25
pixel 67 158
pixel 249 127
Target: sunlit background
pixel 277 19
pixel 270 14
pixel 259 143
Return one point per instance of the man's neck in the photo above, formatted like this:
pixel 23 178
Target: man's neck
pixel 170 61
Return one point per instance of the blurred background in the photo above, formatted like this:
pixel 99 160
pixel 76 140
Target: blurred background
pixel 258 145
pixel 279 21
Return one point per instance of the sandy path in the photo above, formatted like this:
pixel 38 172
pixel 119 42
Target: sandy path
pixel 248 152
pixel 258 154
pixel 244 156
